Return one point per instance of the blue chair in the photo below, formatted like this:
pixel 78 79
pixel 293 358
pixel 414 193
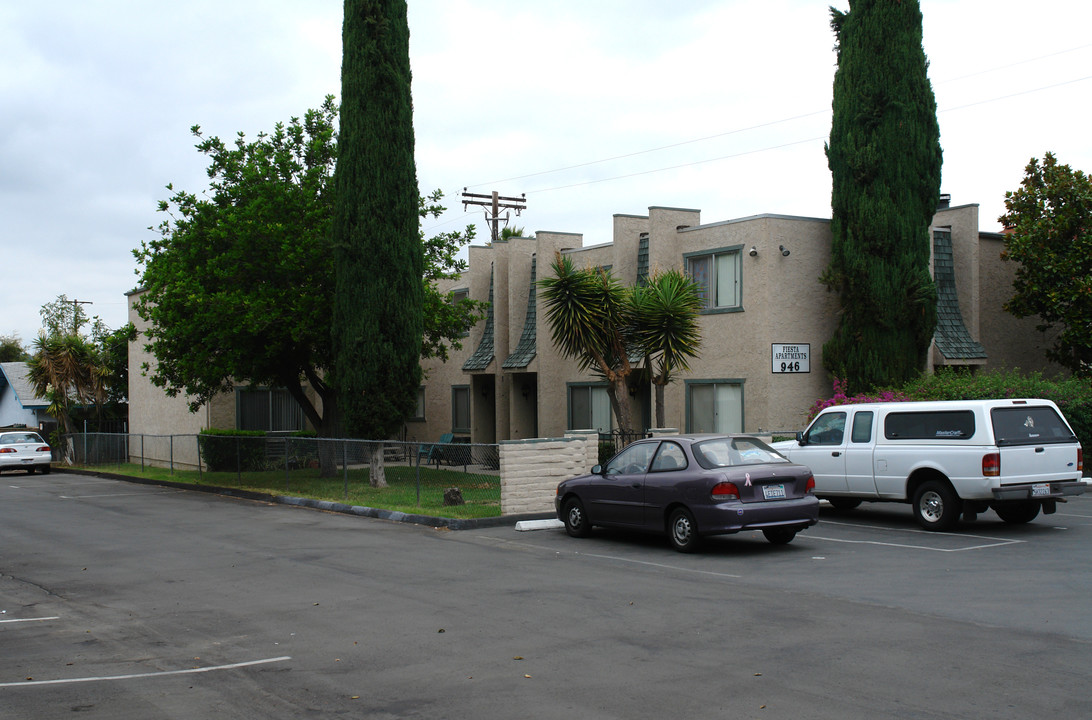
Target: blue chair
pixel 433 452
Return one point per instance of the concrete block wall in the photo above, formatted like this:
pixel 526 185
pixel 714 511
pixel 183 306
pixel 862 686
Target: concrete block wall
pixel 531 469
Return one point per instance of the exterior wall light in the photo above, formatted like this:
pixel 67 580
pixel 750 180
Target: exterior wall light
pixel 753 252
pixel 784 250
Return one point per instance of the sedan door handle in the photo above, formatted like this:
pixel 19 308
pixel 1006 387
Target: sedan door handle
pixel 637 485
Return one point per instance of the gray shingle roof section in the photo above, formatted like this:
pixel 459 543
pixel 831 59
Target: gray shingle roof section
pixel 17 374
pixel 484 354
pixel 525 350
pixel 951 337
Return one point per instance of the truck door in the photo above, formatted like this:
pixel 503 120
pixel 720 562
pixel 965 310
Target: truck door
pixel 823 449
pixel 860 475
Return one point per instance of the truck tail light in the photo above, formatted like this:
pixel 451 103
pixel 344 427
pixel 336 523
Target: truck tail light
pixel 1080 459
pixel 991 465
pixel 725 491
pixel 809 487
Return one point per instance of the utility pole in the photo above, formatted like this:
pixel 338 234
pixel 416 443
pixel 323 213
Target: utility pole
pixel 493 204
pixel 76 314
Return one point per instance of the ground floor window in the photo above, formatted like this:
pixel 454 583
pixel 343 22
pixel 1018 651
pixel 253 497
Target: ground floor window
pixel 589 407
pixel 419 412
pixel 460 409
pixel 714 406
pixel 269 410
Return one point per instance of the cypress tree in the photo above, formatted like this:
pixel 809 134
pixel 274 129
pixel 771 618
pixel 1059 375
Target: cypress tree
pixel 884 156
pixel 378 296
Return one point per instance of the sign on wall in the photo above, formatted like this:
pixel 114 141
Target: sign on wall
pixel 794 358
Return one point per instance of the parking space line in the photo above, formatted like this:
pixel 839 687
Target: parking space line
pixel 41 619
pixel 994 541
pixel 145 492
pixel 136 676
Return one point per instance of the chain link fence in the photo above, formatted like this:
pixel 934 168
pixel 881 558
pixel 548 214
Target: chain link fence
pixel 455 479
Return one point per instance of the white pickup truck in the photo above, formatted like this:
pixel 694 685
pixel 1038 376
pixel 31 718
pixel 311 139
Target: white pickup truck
pixel 947 459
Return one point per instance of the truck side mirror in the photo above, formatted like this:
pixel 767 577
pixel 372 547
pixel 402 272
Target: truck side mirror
pixel 801 439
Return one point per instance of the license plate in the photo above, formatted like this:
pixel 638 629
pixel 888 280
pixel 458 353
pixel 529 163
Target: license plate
pixel 1040 490
pixel 773 492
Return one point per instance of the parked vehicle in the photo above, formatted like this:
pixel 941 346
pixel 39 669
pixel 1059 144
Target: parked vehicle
pixel 24 450
pixel 692 486
pixel 947 459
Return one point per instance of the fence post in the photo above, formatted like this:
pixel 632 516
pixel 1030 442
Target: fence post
pixel 345 457
pixel 238 462
pixel 142 453
pixel 171 462
pixel 418 476
pixel 286 464
pixel 200 469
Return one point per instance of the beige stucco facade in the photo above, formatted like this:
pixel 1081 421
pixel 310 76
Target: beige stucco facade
pixel 783 303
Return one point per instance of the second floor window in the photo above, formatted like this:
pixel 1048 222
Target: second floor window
pixel 719 273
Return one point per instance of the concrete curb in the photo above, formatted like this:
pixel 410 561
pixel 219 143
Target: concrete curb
pixel 328 505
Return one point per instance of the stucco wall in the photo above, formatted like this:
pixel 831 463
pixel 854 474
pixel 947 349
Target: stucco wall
pixel 531 469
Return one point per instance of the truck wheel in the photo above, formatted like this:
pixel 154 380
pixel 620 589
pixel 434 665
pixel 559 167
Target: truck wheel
pixel 1017 512
pixel 936 506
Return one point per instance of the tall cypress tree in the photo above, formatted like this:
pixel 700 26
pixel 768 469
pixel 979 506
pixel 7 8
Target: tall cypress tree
pixel 377 303
pixel 884 156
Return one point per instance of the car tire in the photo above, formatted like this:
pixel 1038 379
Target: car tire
pixel 44 469
pixel 682 531
pixel 1017 512
pixel 779 536
pixel 936 506
pixel 30 470
pixel 575 519
pixel 843 503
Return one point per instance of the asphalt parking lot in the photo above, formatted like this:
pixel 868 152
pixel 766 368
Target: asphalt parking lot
pixel 133 601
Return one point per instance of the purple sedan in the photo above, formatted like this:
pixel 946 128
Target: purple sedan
pixel 691 486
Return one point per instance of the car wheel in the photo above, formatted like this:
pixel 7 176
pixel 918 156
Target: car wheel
pixel 842 503
pixel 779 536
pixel 936 506
pixel 30 470
pixel 1017 512
pixel 683 531
pixel 576 520
pixel 44 469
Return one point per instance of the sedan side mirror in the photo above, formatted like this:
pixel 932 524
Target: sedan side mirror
pixel 597 470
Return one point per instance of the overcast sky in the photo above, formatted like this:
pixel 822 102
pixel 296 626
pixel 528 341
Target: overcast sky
pixel 590 107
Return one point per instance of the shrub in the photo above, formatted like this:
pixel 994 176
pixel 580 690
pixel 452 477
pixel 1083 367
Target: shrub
pixel 232 450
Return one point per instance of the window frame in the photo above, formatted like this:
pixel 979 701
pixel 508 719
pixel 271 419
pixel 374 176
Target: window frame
pixel 457 390
pixel 691 384
pixel 709 289
pixel 591 387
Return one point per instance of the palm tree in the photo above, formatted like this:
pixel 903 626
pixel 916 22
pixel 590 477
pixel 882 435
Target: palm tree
pixel 665 327
pixel 67 369
pixel 589 313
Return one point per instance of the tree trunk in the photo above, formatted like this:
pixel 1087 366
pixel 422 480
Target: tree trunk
pixel 618 391
pixel 377 475
pixel 660 421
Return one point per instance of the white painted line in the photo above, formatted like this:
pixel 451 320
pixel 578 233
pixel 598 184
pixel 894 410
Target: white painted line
pixel 41 619
pixel 548 524
pixel 136 676
pixel 661 565
pixel 915 547
pixel 145 492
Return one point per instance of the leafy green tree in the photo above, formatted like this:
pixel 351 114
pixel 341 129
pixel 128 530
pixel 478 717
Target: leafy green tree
pixel 602 324
pixel 665 327
pixel 12 350
pixel 884 156
pixel 237 284
pixel 1050 237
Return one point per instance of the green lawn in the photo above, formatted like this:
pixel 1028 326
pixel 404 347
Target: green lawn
pixel 481 492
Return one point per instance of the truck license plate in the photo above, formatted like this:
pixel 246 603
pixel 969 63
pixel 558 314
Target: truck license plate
pixel 1040 490
pixel 773 492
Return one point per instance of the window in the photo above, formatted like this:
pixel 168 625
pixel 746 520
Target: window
pixel 457 296
pixel 862 427
pixel 633 460
pixel 419 412
pixel 714 407
pixel 944 425
pixel 460 408
pixel 589 407
pixel 670 457
pixel 719 274
pixel 828 429
pixel 268 410
pixel 1029 425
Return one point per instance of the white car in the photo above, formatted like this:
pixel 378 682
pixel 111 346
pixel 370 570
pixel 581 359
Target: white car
pixel 24 450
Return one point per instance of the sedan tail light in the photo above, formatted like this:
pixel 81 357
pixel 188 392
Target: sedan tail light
pixel 7 450
pixel 725 491
pixel 991 465
pixel 809 487
pixel 43 448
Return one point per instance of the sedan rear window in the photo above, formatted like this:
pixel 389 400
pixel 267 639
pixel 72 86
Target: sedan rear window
pixel 12 438
pixel 728 452
pixel 1029 425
